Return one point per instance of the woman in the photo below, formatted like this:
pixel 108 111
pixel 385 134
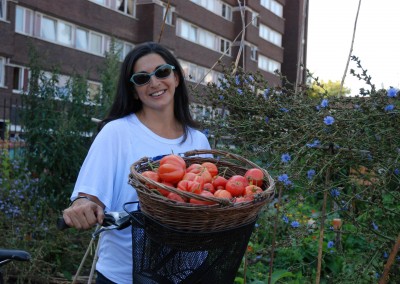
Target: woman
pixel 149 117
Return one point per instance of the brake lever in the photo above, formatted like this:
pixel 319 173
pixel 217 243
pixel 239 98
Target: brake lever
pixel 113 221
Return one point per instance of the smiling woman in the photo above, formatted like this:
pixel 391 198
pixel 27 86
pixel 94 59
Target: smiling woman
pixel 149 117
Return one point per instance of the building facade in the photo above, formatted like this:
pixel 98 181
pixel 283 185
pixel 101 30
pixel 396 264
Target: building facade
pixel 75 35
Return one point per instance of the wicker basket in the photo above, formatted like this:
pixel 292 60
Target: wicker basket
pixel 200 218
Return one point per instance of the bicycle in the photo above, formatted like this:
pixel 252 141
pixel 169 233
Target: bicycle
pixel 8 255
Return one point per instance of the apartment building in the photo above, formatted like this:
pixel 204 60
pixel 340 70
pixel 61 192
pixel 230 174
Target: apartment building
pixel 76 34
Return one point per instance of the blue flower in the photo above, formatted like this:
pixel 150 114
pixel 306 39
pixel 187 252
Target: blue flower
pixel 392 92
pixel 318 108
pixel 295 224
pixel 251 78
pixel 335 192
pixel 221 97
pixel 375 226
pixel 266 119
pixel 329 120
pixel 206 132
pixel 266 93
pixel 285 219
pixel 240 91
pixel 385 255
pixel 389 107
pixel 285 158
pixel 311 174
pixel 283 109
pixel 331 244
pixel 237 80
pixel 324 103
pixel 396 171
pixel 285 179
pixel 315 143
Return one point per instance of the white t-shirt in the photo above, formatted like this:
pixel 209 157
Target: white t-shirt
pixel 105 172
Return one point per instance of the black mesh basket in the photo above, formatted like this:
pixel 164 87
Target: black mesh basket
pixel 164 255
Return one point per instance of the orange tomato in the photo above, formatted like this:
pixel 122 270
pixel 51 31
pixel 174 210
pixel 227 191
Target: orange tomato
pixel 254 176
pixel 222 193
pixel 212 168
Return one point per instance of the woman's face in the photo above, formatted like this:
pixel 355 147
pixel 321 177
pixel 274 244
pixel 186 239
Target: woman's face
pixel 157 94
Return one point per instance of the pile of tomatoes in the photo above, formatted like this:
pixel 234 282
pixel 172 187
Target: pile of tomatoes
pixel 205 180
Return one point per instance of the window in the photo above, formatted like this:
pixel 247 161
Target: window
pixel 268 64
pixel 253 52
pixel 48 29
pixel 20 79
pixel 273 6
pixel 64 33
pixel 95 43
pixel 3 6
pixel 2 71
pixel 255 19
pixel 93 91
pixel 202 37
pixel 196 73
pixel 81 39
pixel 24 21
pixel 127 6
pixel 168 17
pixel 217 7
pixel 270 35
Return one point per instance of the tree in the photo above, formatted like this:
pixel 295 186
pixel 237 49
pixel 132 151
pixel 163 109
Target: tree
pixel 328 89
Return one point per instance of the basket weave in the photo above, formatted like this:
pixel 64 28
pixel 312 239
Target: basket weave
pixel 200 218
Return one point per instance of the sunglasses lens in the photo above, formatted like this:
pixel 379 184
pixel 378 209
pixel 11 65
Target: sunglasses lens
pixel 141 79
pixel 163 71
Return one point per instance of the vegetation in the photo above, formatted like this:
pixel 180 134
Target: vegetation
pixel 335 161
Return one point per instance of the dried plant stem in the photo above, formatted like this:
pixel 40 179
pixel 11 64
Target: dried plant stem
pixel 390 261
pixel 163 23
pixel 322 227
pixel 271 262
pixel 351 48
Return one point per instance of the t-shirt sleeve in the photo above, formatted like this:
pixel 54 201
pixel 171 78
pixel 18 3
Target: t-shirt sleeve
pixel 97 174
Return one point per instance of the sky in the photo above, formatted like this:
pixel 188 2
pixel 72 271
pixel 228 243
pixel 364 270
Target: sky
pixel 376 43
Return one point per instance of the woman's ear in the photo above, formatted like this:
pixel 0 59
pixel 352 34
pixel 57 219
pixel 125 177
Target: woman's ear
pixel 176 79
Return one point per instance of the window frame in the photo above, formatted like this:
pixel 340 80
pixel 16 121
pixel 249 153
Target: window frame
pixel 2 71
pixel 3 10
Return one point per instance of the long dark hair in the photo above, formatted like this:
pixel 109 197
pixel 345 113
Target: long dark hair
pixel 125 102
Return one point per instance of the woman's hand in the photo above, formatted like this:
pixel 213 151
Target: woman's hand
pixel 84 213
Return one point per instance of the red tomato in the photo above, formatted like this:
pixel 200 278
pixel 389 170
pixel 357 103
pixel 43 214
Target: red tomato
pixel 151 175
pixel 205 174
pixel 173 159
pixel 239 178
pixel 209 187
pixel 176 197
pixel 171 173
pixel 203 202
pixel 195 168
pixel 222 193
pixel 251 190
pixel 195 187
pixel 235 186
pixel 163 191
pixel 194 177
pixel 212 168
pixel 182 185
pixel 255 176
pixel 242 199
pixel 219 181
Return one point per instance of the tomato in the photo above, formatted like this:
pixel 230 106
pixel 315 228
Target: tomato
pixel 182 185
pixel 242 199
pixel 175 196
pixel 195 168
pixel 209 187
pixel 194 177
pixel 239 178
pixel 222 193
pixel 174 160
pixel 219 181
pixel 251 190
pixel 205 174
pixel 190 186
pixel 236 186
pixel 203 202
pixel 212 168
pixel 171 173
pixel 153 176
pixel 164 191
pixel 254 176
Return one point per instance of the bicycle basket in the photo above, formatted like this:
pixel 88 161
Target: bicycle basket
pixel 166 256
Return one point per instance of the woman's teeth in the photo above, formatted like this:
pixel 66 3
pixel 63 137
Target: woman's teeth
pixel 157 94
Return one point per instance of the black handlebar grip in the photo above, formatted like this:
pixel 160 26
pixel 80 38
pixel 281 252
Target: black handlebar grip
pixel 61 225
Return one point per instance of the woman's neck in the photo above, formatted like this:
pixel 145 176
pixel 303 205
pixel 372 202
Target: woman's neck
pixel 162 124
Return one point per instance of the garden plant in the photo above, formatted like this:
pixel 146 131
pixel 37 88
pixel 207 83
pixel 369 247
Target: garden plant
pixel 335 160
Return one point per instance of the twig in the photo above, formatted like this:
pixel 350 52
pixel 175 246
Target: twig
pixel 163 23
pixel 390 261
pixel 322 227
pixel 271 262
pixel 351 48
